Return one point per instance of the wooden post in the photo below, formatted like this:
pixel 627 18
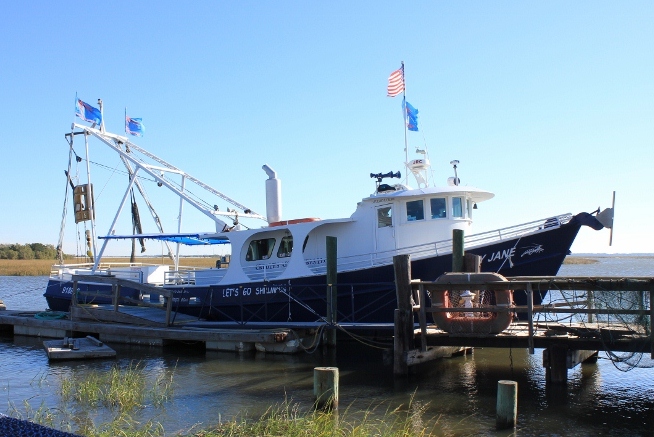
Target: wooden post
pixel 169 307
pixel 642 318
pixel 530 317
pixel 507 404
pixel 403 330
pixel 325 387
pixel 651 323
pixel 332 291
pixel 115 295
pixel 591 305
pixel 472 263
pixel 555 361
pixel 73 300
pixel 457 250
pixel 422 316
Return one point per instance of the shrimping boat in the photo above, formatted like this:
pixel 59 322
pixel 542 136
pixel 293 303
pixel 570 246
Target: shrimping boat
pixel 276 271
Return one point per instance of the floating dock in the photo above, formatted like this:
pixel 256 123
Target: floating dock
pixel 276 340
pixel 77 348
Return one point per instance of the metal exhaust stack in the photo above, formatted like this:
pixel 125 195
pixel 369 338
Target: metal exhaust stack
pixel 273 196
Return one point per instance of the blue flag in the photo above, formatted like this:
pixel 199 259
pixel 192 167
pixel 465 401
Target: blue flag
pixel 134 126
pixel 411 116
pixel 87 112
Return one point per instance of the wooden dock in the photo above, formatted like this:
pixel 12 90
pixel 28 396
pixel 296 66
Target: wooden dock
pixel 565 344
pixel 278 340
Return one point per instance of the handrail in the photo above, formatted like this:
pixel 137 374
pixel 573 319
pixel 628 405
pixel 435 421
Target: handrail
pixel 117 283
pixel 442 247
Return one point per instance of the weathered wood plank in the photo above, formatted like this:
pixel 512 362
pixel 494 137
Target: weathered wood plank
pixel 82 348
pixel 417 356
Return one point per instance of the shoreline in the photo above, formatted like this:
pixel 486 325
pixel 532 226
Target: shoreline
pixel 42 267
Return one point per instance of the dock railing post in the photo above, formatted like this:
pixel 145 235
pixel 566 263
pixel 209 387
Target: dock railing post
pixel 115 295
pixel 422 317
pixel 332 292
pixel 591 305
pixel 73 300
pixel 651 323
pixel 530 317
pixel 403 330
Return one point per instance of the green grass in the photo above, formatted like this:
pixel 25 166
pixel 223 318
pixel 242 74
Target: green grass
pixel 286 420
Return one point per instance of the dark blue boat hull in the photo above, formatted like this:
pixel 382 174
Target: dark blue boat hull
pixel 364 296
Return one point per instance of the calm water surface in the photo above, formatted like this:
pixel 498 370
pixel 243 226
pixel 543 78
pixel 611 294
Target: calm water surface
pixel 599 400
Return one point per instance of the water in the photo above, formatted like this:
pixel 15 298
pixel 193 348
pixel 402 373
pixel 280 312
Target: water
pixel 599 399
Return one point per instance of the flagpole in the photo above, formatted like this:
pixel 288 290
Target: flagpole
pixel 404 117
pixel 101 116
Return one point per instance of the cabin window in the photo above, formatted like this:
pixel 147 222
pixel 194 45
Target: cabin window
pixel 415 210
pixel 285 247
pixel 457 207
pixel 438 207
pixel 260 249
pixel 384 217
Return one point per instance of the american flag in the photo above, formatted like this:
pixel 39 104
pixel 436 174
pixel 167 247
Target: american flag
pixel 396 82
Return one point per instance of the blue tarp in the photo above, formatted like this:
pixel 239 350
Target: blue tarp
pixel 188 239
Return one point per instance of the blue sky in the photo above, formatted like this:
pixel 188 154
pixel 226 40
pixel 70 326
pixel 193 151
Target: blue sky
pixel 550 105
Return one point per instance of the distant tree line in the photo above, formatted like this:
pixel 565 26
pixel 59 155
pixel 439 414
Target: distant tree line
pixel 28 251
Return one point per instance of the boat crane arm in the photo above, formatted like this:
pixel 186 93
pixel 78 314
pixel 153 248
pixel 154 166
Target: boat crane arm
pixel 106 138
pixel 212 190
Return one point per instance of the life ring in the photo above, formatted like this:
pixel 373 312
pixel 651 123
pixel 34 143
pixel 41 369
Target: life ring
pixel 474 322
pixel 293 222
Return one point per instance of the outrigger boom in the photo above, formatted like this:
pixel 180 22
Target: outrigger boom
pixel 134 165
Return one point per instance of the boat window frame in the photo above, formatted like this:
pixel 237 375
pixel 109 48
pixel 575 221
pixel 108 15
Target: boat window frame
pixel 285 248
pixel 462 204
pixel 250 256
pixel 431 208
pixel 385 221
pixel 421 210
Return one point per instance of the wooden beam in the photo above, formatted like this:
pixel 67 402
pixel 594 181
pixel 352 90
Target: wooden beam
pixel 576 357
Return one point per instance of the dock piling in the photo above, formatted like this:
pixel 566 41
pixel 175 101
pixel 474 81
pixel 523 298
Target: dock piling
pixel 325 388
pixel 507 404
pixel 457 250
pixel 403 330
pixel 332 292
pixel 651 323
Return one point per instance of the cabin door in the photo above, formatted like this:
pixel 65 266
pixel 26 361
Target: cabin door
pixel 385 231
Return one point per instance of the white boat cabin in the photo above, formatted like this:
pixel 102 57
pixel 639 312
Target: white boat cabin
pixel 384 224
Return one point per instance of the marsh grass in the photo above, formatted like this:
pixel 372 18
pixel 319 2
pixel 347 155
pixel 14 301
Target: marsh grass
pixel 578 260
pixel 286 419
pixel 122 390
pixel 42 267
